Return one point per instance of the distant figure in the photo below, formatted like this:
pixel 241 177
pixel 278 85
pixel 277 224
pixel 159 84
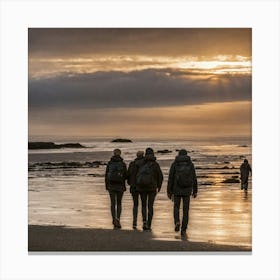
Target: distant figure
pixel 182 183
pixel 245 169
pixel 131 180
pixel 148 182
pixel 115 176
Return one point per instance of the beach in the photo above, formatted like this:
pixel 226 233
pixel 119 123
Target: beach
pixel 69 209
pixel 61 239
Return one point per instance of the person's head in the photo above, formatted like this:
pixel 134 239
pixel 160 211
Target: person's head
pixel 149 151
pixel 245 161
pixel 140 154
pixel 117 152
pixel 182 152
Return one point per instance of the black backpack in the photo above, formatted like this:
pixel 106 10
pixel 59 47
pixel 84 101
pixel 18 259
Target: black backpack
pixel 183 175
pixel 115 173
pixel 145 176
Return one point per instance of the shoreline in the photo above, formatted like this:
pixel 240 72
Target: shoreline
pixel 66 239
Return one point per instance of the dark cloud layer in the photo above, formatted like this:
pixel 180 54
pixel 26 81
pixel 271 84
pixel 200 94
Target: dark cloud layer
pixel 62 42
pixel 139 89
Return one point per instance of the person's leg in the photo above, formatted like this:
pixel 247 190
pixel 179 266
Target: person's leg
pixel 176 212
pixel 186 205
pixel 143 196
pixel 151 200
pixel 113 205
pixel 245 185
pixel 119 204
pixel 135 196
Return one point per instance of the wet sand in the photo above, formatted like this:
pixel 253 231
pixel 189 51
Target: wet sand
pixel 66 239
pixel 76 198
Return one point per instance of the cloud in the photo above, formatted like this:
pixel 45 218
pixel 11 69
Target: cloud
pixel 136 89
pixel 73 42
pixel 56 66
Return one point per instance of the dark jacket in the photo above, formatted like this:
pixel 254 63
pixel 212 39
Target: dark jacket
pixel 113 186
pixel 156 173
pixel 172 186
pixel 245 169
pixel 132 172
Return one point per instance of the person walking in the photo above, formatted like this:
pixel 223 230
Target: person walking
pixel 148 182
pixel 115 176
pixel 245 170
pixel 182 183
pixel 131 180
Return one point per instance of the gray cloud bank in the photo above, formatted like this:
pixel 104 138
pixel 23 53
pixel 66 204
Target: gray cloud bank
pixel 65 42
pixel 138 89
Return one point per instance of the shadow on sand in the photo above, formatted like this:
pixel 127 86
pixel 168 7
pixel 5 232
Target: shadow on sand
pixel 64 239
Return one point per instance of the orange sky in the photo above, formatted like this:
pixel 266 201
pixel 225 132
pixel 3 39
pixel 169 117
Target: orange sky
pixel 135 82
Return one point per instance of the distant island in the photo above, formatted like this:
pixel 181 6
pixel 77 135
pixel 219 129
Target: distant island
pixel 121 140
pixel 165 151
pixel 52 145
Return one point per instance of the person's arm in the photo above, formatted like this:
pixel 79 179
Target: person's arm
pixel 160 177
pixel 194 182
pixel 170 180
pixel 250 169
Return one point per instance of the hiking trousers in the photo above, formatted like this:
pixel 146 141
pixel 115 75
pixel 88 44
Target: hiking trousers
pixel 116 204
pixel 148 197
pixel 135 197
pixel 186 205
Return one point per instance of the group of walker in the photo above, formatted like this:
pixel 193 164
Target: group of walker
pixel 145 178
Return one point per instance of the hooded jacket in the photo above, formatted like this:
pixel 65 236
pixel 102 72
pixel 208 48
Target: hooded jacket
pixel 172 186
pixel 132 172
pixel 120 187
pixel 157 174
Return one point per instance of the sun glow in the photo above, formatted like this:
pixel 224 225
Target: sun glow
pixel 91 64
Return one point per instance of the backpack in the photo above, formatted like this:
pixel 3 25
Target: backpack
pixel 115 173
pixel 183 175
pixel 145 176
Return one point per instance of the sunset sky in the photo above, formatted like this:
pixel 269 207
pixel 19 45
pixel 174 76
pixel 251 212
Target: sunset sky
pixel 139 82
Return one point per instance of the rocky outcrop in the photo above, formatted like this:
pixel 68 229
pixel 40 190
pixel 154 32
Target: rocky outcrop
pixel 231 180
pixel 64 165
pixel 52 145
pixel 164 151
pixel 121 140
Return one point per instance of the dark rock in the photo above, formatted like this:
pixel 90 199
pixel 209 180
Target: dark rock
pixel 71 145
pixel 243 146
pixel 226 173
pixel 231 180
pixel 42 145
pixel 96 175
pixel 52 145
pixel 226 162
pixel 164 151
pixel 121 140
pixel 206 183
pixel 225 167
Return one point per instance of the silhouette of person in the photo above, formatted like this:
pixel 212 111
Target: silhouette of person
pixel 115 176
pixel 245 170
pixel 131 180
pixel 148 182
pixel 182 183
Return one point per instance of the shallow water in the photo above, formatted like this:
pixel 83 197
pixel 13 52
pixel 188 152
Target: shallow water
pixel 76 196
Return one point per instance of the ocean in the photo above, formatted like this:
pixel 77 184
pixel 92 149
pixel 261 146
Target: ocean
pixel 66 187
